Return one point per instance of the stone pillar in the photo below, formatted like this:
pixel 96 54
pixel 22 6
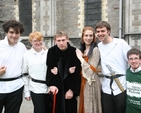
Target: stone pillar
pixel 133 22
pixel 104 8
pixel 81 16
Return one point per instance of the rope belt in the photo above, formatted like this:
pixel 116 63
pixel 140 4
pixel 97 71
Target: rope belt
pixel 14 78
pixel 112 78
pixel 38 81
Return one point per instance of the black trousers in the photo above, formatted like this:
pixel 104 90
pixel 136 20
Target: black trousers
pixel 114 104
pixel 11 101
pixel 42 103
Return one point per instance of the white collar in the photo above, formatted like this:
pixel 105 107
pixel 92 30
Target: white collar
pixel 137 70
pixel 35 52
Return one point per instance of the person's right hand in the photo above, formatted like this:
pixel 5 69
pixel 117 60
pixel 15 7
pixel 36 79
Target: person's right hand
pixel 2 70
pixel 54 70
pixel 53 89
pixel 28 98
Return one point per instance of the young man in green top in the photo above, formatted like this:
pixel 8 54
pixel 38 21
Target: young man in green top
pixel 133 77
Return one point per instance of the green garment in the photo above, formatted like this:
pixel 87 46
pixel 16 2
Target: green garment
pixel 133 101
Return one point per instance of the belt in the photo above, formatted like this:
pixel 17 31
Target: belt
pixel 38 81
pixel 14 78
pixel 112 78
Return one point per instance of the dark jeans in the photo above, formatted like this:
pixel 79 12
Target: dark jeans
pixel 114 104
pixel 11 101
pixel 42 103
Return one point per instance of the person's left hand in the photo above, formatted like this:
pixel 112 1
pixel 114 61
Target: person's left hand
pixel 72 69
pixel 69 94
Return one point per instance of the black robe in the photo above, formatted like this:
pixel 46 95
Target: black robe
pixel 64 80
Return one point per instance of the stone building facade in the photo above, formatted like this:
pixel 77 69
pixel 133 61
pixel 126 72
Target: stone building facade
pixel 49 16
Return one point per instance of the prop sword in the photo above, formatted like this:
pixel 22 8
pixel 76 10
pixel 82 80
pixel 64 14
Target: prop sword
pixel 116 79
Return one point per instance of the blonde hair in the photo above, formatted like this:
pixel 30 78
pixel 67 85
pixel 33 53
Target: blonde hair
pixel 35 34
pixel 60 34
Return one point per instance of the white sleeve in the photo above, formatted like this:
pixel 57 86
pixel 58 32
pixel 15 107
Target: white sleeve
pixel 26 78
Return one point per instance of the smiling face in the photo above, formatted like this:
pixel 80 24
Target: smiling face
pixel 36 44
pixel 103 34
pixel 12 36
pixel 36 41
pixel 88 37
pixel 134 61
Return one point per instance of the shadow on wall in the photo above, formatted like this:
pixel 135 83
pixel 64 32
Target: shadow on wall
pixel 2 34
pixel 27 44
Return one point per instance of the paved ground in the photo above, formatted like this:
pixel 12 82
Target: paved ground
pixel 26 107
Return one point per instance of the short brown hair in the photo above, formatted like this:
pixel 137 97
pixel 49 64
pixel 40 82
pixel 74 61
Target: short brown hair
pixel 16 25
pixel 103 24
pixel 60 34
pixel 134 51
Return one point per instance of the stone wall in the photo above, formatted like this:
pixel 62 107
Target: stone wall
pixel 110 10
pixel 36 15
pixel 67 17
pixel 7 11
pixel 133 16
pixel 133 23
pixel 7 8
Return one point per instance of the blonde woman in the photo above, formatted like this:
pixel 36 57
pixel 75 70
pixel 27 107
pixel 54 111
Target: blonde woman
pixel 35 65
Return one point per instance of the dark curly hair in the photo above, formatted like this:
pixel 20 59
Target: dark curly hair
pixel 16 25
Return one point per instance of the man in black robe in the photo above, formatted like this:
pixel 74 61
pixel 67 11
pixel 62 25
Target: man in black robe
pixel 63 74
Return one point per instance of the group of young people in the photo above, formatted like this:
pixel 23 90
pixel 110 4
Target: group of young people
pixel 69 73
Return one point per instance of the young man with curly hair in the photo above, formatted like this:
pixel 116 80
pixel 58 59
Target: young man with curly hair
pixel 11 58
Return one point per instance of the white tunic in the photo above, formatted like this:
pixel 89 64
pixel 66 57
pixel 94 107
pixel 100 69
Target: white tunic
pixel 35 65
pixel 115 55
pixel 12 58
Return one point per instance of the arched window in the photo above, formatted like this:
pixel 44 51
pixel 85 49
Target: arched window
pixel 25 15
pixel 92 12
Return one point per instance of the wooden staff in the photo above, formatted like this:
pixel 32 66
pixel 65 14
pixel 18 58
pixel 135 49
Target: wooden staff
pixel 54 103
